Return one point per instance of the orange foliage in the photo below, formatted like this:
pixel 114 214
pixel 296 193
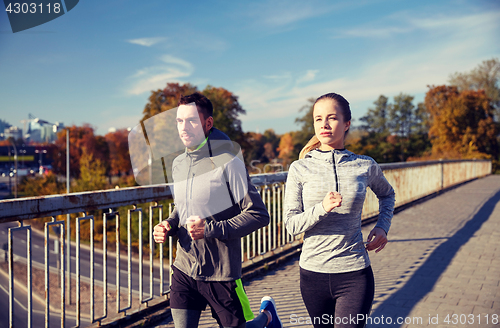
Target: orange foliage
pixel 80 137
pixel 286 146
pixel 462 123
pixel 119 158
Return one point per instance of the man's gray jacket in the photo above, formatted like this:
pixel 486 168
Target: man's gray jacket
pixel 212 182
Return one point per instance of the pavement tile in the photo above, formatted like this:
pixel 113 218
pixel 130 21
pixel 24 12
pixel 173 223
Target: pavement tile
pixel 478 309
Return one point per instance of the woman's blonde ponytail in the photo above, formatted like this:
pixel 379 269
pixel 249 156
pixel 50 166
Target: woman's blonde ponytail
pixel 312 144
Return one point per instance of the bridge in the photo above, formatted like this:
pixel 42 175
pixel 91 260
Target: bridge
pixel 439 265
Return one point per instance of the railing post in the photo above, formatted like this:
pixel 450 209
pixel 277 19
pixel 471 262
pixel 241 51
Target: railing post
pixel 442 174
pixel 68 258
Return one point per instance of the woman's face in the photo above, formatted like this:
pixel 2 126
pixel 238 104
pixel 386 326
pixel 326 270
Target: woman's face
pixel 329 125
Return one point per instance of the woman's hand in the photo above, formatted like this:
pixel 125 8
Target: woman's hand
pixel 377 239
pixel 332 199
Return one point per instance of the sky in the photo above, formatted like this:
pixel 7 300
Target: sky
pixel 99 62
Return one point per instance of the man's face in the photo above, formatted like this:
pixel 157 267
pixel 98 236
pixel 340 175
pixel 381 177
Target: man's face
pixel 191 125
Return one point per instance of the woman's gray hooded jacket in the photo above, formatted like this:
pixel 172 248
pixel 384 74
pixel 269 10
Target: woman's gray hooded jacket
pixel 333 242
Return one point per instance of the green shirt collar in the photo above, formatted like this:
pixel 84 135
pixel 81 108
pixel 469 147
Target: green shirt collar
pixel 204 141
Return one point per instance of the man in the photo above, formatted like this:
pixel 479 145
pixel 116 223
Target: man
pixel 216 205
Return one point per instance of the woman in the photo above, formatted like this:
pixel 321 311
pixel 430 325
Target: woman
pixel 325 191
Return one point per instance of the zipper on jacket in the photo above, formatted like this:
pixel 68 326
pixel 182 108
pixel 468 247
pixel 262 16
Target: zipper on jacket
pixel 335 172
pixel 191 187
pixel 187 185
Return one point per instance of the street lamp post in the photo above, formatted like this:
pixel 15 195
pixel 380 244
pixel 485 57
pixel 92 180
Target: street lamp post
pixel 40 163
pixel 15 167
pixel 68 217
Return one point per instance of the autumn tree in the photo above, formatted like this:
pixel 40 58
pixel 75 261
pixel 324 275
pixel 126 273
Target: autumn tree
pixel 271 144
pixel 226 116
pixel 226 106
pixel 485 76
pixel 262 147
pixel 119 157
pixel 462 123
pixel 80 137
pixel 226 111
pixel 162 100
pixel 287 148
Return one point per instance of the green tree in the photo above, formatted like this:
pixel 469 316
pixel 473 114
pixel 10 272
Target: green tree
pixel 394 131
pixel 402 115
pixel 92 173
pixel 376 118
pixel 306 123
pixel 41 186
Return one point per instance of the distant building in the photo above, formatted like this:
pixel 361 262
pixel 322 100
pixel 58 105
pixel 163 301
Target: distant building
pixel 47 134
pixel 13 132
pixel 43 133
pixel 35 135
pixel 3 125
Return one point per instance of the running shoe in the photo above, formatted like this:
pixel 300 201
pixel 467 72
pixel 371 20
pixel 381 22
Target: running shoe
pixel 267 303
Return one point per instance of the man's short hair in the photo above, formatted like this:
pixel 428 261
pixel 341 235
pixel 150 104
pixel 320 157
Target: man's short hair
pixel 203 104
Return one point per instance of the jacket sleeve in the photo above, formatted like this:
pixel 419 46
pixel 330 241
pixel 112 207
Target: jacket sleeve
pixel 385 194
pixel 253 213
pixel 173 220
pixel 297 219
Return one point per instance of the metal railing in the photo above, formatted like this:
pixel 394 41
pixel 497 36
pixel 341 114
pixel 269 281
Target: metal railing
pixel 411 181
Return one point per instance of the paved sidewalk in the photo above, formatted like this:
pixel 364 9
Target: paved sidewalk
pixel 440 268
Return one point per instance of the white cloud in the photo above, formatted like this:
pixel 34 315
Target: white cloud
pixel 155 77
pixel 382 32
pixel 147 42
pixel 283 13
pixel 482 20
pixel 402 23
pixel 282 76
pixel 169 59
pixel 308 77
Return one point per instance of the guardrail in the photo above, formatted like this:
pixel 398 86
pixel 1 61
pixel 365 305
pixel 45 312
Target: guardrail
pixel 411 181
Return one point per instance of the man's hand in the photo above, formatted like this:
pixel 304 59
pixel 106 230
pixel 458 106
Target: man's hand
pixel 377 239
pixel 160 231
pixel 196 227
pixel 332 199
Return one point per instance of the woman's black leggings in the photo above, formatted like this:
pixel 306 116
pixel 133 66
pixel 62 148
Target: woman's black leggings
pixel 338 299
